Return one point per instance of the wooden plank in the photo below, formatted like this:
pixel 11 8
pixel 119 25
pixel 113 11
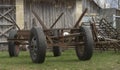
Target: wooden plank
pixel 6 6
pixel 80 18
pixel 27 13
pixel 7 30
pixel 39 19
pixel 57 20
pixel 14 21
pixel 20 13
pixel 2 15
pixel 48 12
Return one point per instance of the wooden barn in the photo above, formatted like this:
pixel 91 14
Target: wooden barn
pixel 93 7
pixel 49 11
pixel 19 12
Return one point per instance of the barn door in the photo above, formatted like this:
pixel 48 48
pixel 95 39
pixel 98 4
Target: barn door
pixel 7 22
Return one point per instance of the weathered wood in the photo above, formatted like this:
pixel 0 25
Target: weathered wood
pixel 14 22
pixel 6 7
pixel 39 19
pixel 43 25
pixel 7 30
pixel 11 17
pixel 56 20
pixel 2 15
pixel 6 18
pixel 94 29
pixel 20 13
pixel 48 12
pixel 80 18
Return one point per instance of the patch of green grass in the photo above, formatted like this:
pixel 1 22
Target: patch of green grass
pixel 68 61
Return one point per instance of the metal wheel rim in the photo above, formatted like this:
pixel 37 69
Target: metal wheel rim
pixel 81 47
pixel 33 48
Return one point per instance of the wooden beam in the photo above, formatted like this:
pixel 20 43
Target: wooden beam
pixel 94 29
pixel 80 18
pixel 14 22
pixel 3 33
pixel 57 20
pixel 2 15
pixel 39 19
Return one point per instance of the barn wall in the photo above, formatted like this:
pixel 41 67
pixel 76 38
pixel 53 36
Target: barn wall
pixel 20 13
pixel 49 10
pixel 5 22
pixel 27 14
pixel 78 8
pixel 7 2
pixel 93 8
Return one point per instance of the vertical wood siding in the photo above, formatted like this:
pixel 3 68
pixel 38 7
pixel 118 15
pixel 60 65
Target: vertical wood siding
pixel 49 10
pixel 92 6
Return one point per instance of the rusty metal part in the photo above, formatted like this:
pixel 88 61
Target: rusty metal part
pixel 25 34
pixel 22 37
pixel 67 44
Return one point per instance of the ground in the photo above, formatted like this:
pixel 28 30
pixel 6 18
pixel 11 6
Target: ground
pixel 68 61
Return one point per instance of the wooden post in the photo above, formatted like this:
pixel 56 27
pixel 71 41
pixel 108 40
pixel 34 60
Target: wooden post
pixel 20 13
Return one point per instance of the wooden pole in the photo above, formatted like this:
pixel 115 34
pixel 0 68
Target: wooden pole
pixel 56 20
pixel 39 19
pixel 80 18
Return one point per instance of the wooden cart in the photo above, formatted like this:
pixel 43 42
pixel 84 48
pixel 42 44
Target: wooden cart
pixel 38 39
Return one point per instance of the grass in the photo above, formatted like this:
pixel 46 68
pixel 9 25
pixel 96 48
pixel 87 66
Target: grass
pixel 68 61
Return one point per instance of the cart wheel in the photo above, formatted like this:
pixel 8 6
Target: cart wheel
pixel 84 52
pixel 56 51
pixel 38 45
pixel 13 48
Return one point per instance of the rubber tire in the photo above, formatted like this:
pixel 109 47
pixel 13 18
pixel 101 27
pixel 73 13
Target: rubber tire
pixel 40 44
pixel 11 44
pixel 88 44
pixel 56 51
